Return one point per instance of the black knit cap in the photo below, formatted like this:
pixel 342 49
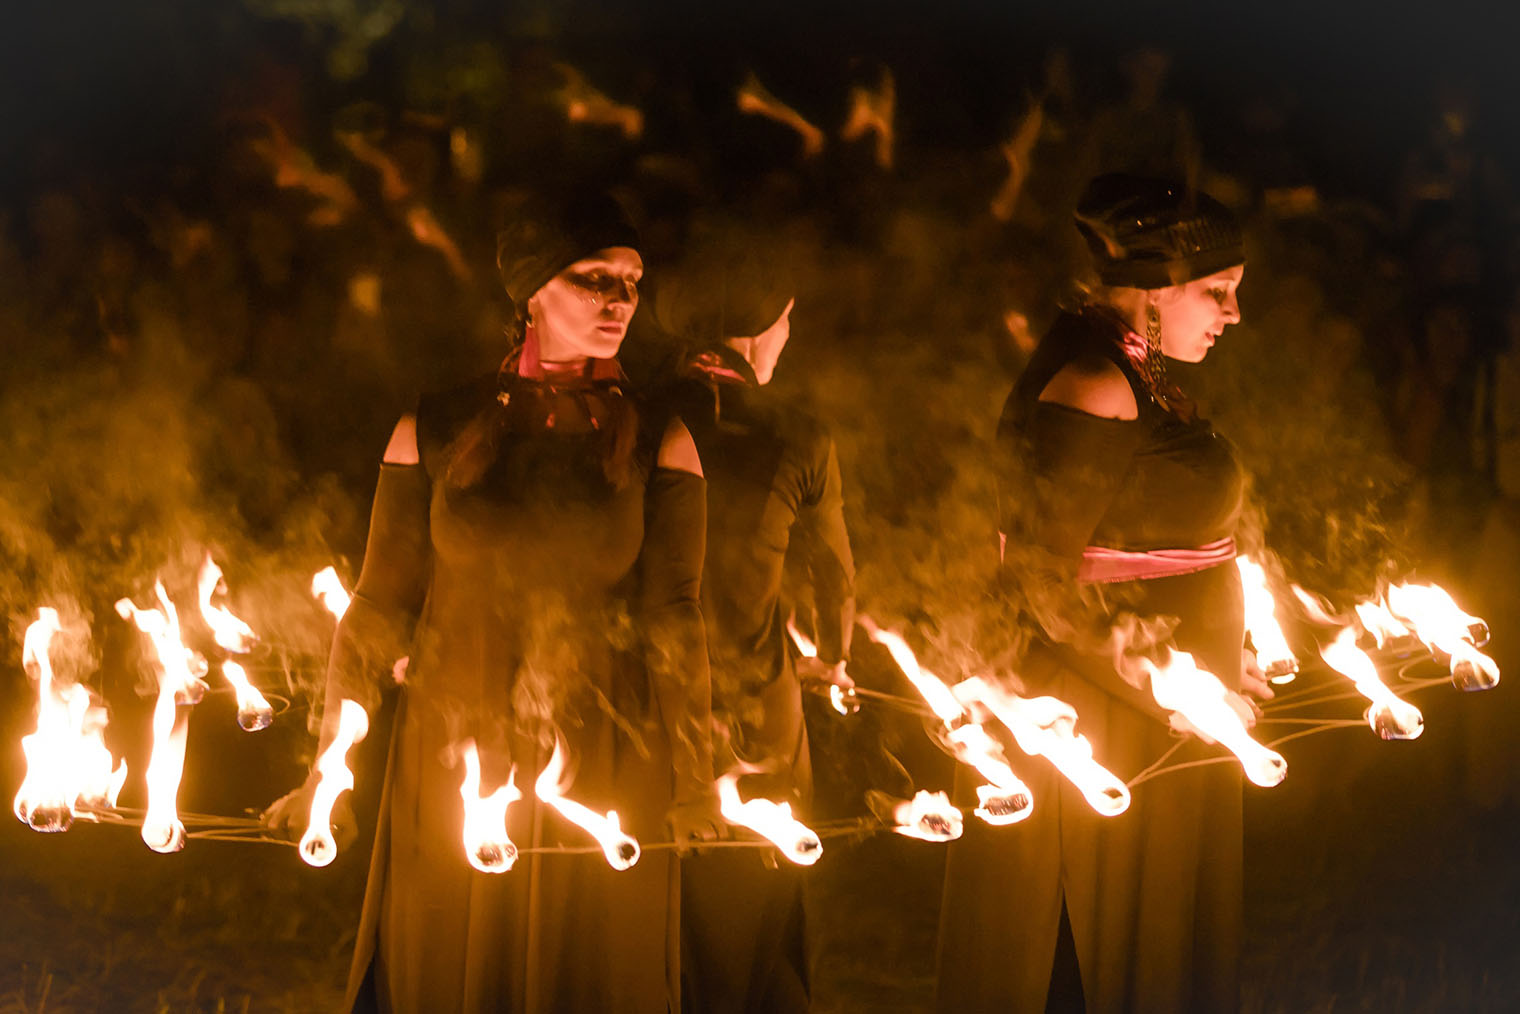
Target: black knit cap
pixel 543 234
pixel 730 284
pixel 1150 234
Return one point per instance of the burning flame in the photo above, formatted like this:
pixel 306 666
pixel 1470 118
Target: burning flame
pixel 1379 622
pixel 254 712
pixel 583 103
pixel 318 847
pixel 178 689
pixel 1197 695
pixel 755 99
pixel 1007 800
pixel 1444 628
pixel 928 816
pixel 1389 716
pixel 328 590
pixel 486 844
pixel 67 763
pixel 873 111
pixel 231 633
pixel 770 820
pixel 1046 727
pixel 621 850
pixel 1274 656
pixel 1315 607
pixel 843 699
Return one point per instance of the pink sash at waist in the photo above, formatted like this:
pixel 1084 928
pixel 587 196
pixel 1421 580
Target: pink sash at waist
pixel 1101 565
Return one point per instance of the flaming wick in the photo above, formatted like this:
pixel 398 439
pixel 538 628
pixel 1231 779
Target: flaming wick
pixel 928 816
pixel 621 849
pixel 771 820
pixel 318 846
pixel 486 844
pixel 67 763
pixel 232 634
pixel 1389 716
pixel 843 699
pixel 1197 695
pixel 1273 654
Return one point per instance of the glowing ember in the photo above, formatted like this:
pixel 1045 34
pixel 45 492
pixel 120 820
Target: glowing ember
pixel 1046 727
pixel 328 590
pixel 1446 630
pixel 1390 717
pixel 770 820
pixel 928 816
pixel 1274 656
pixel 583 103
pixel 254 712
pixel 1198 696
pixel 486 844
pixel 873 111
pixel 178 688
pixel 621 850
pixel 843 699
pixel 318 847
pixel 230 632
pixel 67 763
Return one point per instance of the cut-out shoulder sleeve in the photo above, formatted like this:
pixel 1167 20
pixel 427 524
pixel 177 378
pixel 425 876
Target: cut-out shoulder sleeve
pixel 402 450
pixel 678 451
pixel 1094 385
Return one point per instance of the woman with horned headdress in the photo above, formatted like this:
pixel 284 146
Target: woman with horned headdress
pixel 535 549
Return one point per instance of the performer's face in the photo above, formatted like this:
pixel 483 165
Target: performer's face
pixel 1194 314
pixel 583 311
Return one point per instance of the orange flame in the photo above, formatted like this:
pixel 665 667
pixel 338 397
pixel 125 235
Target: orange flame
pixel 928 816
pixel 67 763
pixel 770 820
pixel 621 849
pixel 1007 800
pixel 318 847
pixel 328 590
pixel 1046 727
pixel 873 111
pixel 231 633
pixel 1379 622
pixel 1197 695
pixel 842 699
pixel 583 103
pixel 486 844
pixel 1273 654
pixel 1315 607
pixel 755 99
pixel 178 689
pixel 1444 628
pixel 1389 716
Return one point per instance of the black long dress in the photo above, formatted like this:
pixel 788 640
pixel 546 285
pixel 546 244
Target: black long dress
pixel 531 590
pixel 1152 897
pixel 771 475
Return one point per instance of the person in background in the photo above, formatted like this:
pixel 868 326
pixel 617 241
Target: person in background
pixel 772 473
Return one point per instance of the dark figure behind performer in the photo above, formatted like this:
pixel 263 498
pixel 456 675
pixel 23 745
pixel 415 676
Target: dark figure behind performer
pixel 1103 460
pixel 770 472
pixel 546 540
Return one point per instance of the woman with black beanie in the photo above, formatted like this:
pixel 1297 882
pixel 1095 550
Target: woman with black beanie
pixel 535 549
pixel 1106 471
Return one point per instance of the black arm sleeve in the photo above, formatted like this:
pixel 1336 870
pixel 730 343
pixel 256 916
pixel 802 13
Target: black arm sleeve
pixel 675 537
pixel 1063 468
pixel 830 561
pixel 377 628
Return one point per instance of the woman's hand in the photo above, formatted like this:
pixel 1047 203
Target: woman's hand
pixel 1253 681
pixel 694 823
pixel 288 816
pixel 814 673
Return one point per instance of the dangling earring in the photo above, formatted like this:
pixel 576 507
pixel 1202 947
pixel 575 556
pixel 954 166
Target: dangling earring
pixel 1153 369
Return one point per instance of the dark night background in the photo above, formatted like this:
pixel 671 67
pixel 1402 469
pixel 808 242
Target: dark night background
pixel 196 357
